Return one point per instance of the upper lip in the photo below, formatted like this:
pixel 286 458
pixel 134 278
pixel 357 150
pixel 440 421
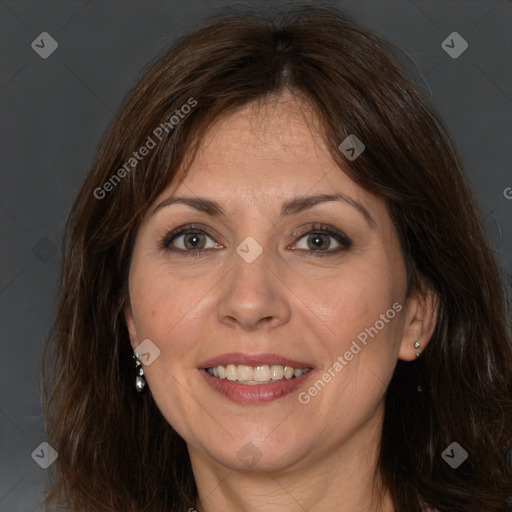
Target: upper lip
pixel 252 360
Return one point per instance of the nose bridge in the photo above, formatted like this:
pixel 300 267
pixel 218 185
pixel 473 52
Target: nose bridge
pixel 252 265
pixel 252 292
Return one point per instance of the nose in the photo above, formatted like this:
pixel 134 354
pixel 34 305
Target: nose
pixel 253 296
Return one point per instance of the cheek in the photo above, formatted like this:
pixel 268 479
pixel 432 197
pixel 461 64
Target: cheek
pixel 351 300
pixel 168 310
pixel 360 337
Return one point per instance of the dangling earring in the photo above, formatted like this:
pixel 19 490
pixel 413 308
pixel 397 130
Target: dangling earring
pixel 140 381
pixel 417 345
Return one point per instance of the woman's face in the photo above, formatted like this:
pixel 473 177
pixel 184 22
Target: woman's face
pixel 270 280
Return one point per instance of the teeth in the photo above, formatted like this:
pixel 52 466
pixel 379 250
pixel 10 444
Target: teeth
pixel 276 372
pixel 288 372
pixel 244 372
pixel 231 372
pixel 260 374
pixel 256 374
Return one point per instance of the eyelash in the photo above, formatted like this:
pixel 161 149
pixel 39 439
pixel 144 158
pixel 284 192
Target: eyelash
pixel 344 241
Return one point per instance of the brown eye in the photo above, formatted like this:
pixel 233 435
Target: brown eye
pixel 319 241
pixel 323 240
pixel 194 241
pixel 189 240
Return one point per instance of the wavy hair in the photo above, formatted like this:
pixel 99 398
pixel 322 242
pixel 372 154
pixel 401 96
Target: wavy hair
pixel 117 453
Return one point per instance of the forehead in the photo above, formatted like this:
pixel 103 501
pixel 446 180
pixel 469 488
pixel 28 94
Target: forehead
pixel 265 153
pixel 280 130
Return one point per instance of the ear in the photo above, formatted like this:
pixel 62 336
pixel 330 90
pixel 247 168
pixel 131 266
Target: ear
pixel 421 311
pixel 130 324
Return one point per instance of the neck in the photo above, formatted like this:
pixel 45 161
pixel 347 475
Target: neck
pixel 341 478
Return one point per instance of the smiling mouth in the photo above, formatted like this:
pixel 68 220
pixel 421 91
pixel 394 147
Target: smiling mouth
pixel 252 375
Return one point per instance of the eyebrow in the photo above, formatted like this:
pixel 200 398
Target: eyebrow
pixel 290 207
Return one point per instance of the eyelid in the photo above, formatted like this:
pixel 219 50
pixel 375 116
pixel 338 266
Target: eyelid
pixel 320 228
pixel 183 230
pixel 312 228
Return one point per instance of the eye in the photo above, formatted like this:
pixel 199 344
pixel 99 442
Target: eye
pixel 189 240
pixel 323 239
pixel 193 240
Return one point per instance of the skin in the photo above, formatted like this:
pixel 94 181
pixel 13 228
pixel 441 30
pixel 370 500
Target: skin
pixel 319 456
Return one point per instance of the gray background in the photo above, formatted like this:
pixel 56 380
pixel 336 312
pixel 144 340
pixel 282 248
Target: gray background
pixel 54 112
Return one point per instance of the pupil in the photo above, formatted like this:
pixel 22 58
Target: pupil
pixel 193 241
pixel 318 241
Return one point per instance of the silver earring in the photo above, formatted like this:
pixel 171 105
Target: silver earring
pixel 417 345
pixel 140 381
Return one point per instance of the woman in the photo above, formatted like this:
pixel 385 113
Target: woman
pixel 276 294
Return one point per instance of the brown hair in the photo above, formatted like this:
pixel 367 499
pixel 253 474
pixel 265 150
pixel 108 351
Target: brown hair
pixel 116 450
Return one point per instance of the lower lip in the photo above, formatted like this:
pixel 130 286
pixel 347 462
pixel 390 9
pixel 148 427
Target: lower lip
pixel 253 393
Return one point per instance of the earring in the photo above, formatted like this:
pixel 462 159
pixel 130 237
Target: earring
pixel 417 345
pixel 140 381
